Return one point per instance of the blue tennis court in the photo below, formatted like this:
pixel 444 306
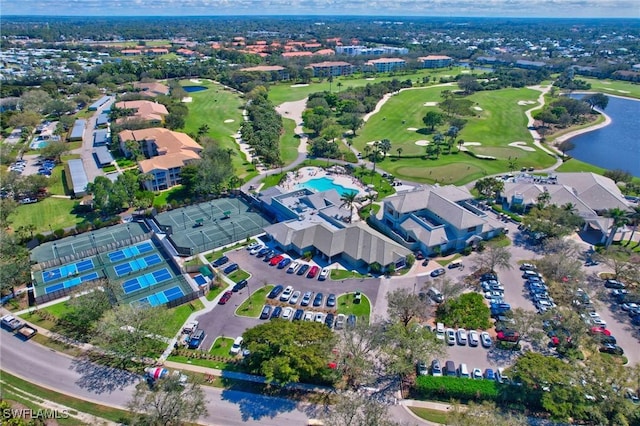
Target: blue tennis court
pixel 71 283
pixel 137 264
pixel 162 297
pixel 146 280
pixel 129 252
pixel 67 270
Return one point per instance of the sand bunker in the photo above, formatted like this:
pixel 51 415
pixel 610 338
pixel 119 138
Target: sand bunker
pixel 189 99
pixel 412 129
pixel 195 80
pixel 623 91
pixel 477 108
pixel 472 144
pixel 371 143
pixel 422 143
pixel 370 79
pixel 430 104
pixel 229 120
pixel 299 85
pixel 522 145
pixel 465 72
pixel 526 102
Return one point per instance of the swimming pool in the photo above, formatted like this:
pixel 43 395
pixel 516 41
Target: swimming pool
pixel 38 144
pixel 325 184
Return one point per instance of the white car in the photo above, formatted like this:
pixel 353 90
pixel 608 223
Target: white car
pixel 462 336
pixel 450 336
pixel 237 345
pixel 340 320
pixel 485 339
pixel 287 313
pixel 319 317
pixel 253 245
pixel 476 373
pixel 286 294
pixel 474 339
pixel 440 331
pixel 324 274
pixel 599 322
pixel 308 316
pixel 295 297
pixel 493 294
pixel 256 249
pixel 292 268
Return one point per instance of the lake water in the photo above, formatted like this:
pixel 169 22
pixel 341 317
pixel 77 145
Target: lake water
pixel 616 146
pixel 191 89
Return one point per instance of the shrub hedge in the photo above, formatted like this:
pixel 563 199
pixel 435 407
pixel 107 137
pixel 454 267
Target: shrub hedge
pixel 447 388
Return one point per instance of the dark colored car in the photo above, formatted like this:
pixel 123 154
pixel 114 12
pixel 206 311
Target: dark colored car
pixel 275 292
pixel 277 311
pixel 220 261
pixel 351 321
pixel 303 269
pixel 284 263
pixel 614 284
pixel 437 272
pixel 317 301
pixel 270 255
pixel 297 316
pixel 331 300
pixel 229 269
pixel 612 349
pixel 225 298
pixel 266 312
pixel 508 336
pixel 263 252
pixel 488 276
pixel 328 320
pixel 239 286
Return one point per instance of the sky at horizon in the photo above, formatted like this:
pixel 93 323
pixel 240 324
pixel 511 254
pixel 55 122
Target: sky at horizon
pixel 451 8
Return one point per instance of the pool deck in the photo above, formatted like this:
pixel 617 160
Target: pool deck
pixel 305 174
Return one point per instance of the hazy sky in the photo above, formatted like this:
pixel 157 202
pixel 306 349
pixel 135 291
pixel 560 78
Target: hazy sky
pixel 496 8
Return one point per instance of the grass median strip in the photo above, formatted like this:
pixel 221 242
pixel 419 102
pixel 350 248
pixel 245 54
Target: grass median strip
pixel 428 414
pixel 253 305
pixel 109 413
pixel 347 307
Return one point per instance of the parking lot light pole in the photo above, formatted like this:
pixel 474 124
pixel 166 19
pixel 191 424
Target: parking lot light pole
pixel 202 233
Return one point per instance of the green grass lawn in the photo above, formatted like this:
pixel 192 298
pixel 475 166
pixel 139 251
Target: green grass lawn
pixel 213 107
pixel 343 274
pixel 574 165
pixel 347 307
pixel 58 310
pixel 239 275
pixel 221 347
pixel 613 87
pixel 209 363
pixel 37 320
pixel 289 142
pixel 218 253
pixel 179 316
pixel 500 122
pixel 214 292
pixel 431 415
pixel 253 305
pixel 48 214
pixel 113 414
pixel 382 185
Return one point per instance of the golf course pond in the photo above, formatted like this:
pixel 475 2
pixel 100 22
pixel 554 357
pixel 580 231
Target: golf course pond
pixel 191 89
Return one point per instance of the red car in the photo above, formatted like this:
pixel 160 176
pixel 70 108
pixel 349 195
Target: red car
pixel 275 260
pixel 225 297
pixel 508 336
pixel 600 330
pixel 313 272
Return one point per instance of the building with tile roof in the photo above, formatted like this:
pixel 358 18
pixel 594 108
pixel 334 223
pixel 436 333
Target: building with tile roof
pixel 152 112
pixel 152 89
pixel 435 219
pixel 318 222
pixel 166 153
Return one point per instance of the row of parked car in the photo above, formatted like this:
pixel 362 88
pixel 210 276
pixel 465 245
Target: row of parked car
pixel 293 297
pixel 288 313
pixel 282 261
pixel 538 290
pixel 461 370
pixel 463 337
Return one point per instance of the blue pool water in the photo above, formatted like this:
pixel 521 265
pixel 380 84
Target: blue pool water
pixel 38 144
pixel 324 184
pixel 191 89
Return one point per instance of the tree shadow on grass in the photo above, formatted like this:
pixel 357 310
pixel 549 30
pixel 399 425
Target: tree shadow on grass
pixel 100 378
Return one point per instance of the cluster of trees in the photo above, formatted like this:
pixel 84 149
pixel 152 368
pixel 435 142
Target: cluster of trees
pixel 264 126
pixel 211 174
pixel 548 221
pixel 467 311
pixel 15 265
pixel 112 197
pixel 501 78
pixel 567 81
pixel 564 111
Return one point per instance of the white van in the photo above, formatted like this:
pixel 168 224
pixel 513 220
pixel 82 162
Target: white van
pixel 237 345
pixel 455 264
pixel 463 371
pixel 440 331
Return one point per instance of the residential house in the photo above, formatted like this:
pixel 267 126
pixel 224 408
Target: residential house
pixel 318 223
pixel 328 68
pixel 435 219
pixel 152 112
pixel 385 64
pixel 435 61
pixel 166 152
pixel 152 89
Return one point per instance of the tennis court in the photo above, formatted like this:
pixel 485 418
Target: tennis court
pixel 72 282
pixel 162 297
pixel 210 225
pixel 146 280
pixel 67 270
pixel 137 264
pixel 129 252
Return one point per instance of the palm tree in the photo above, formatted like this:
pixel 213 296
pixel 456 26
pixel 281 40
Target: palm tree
pixel 349 201
pixel 634 219
pixel 385 146
pixel 399 151
pixel 619 218
pixel 543 200
pixel 460 144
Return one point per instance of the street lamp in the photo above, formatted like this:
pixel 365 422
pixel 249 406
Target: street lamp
pixel 184 220
pixel 234 231
pixel 55 251
pixel 129 231
pixel 211 205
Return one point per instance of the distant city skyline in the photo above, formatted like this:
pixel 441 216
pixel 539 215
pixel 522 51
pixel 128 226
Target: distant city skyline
pixel 409 8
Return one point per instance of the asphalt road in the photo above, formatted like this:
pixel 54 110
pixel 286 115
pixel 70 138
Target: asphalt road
pixel 103 385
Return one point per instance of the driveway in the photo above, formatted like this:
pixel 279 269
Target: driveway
pixel 222 321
